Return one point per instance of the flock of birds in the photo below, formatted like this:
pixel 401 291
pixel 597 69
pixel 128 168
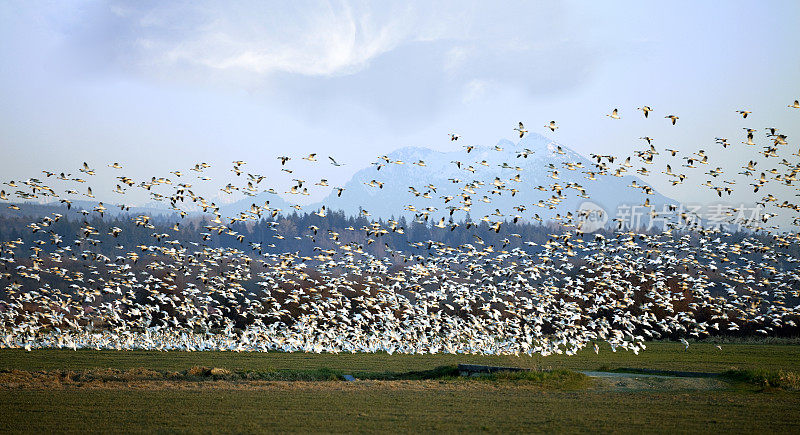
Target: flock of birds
pixel 578 289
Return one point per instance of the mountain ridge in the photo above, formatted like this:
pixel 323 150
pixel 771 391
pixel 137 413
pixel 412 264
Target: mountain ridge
pixel 397 184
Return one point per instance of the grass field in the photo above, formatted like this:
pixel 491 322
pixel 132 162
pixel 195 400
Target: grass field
pixel 104 404
pixel 702 357
pixel 398 409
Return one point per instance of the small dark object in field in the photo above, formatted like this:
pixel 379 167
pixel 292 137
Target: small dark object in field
pixel 470 369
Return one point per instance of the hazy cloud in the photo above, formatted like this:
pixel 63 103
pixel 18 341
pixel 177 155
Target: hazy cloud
pixel 400 59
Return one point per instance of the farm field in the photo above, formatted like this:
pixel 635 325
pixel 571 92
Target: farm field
pixel 108 391
pixel 700 357
pixel 398 408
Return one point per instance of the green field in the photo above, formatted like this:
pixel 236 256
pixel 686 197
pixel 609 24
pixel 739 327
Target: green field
pixel 395 409
pixel 117 403
pixel 702 357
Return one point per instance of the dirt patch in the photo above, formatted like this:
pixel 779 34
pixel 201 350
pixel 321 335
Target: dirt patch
pixel 203 378
pixel 656 383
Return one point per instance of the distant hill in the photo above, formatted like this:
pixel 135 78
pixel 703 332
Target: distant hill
pixel 272 200
pixel 37 209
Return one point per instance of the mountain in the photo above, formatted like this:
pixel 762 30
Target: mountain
pixel 395 196
pixel 36 209
pixel 272 200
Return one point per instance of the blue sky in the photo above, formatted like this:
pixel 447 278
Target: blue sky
pixel 159 86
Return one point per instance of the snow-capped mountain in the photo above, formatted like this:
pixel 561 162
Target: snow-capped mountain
pixel 496 179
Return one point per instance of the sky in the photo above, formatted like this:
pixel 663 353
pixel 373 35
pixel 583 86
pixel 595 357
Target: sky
pixel 159 86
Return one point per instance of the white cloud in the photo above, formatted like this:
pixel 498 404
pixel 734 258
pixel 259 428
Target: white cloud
pixel 312 39
pixel 455 58
pixel 474 90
